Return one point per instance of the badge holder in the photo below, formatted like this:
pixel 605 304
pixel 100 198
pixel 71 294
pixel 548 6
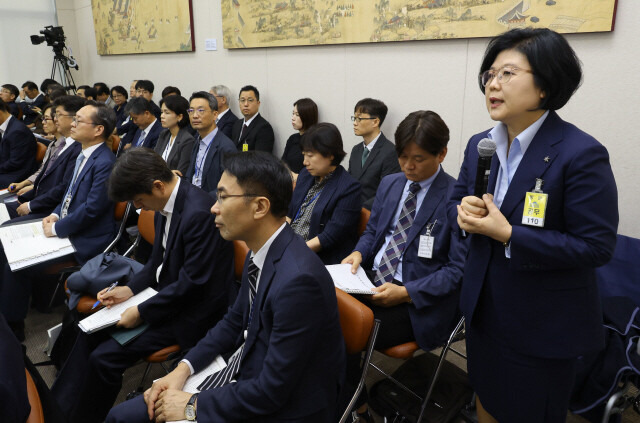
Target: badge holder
pixel 535 206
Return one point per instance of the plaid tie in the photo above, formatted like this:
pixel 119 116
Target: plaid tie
pixel 54 155
pixel 227 374
pixel 396 245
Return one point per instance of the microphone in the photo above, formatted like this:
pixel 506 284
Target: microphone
pixel 486 148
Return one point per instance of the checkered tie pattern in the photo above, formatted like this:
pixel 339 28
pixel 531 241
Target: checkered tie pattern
pixel 227 374
pixel 395 248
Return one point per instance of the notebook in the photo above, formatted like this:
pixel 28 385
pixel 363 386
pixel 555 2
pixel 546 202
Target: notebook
pixel 348 282
pixel 110 316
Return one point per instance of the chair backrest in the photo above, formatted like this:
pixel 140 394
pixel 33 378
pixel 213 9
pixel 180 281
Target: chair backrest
pixel 240 251
pixel 120 208
pixel 37 414
pixel 40 150
pixel 364 219
pixel 146 227
pixel 356 320
pixel 115 142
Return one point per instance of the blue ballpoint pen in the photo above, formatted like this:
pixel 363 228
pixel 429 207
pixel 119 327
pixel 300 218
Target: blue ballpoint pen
pixel 113 285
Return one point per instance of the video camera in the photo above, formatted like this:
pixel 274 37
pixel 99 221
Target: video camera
pixel 53 35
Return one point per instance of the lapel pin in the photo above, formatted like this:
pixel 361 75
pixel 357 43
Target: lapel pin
pixel 546 159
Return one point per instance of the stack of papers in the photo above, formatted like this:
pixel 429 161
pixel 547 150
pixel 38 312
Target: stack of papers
pixel 110 316
pixel 348 282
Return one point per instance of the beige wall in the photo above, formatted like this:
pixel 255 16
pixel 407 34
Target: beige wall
pixel 437 75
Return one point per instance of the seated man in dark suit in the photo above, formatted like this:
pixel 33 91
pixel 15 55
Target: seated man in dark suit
pixel 148 126
pixel 14 401
pixel 144 89
pixel 252 132
pixel 32 102
pixel 414 255
pixel 103 94
pixel 226 118
pixel 375 157
pixel 55 174
pixel 85 215
pixel 205 167
pixel 17 148
pixel 191 267
pixel 9 93
pixel 87 92
pixel 284 325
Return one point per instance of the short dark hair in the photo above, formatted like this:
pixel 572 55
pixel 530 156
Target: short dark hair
pixel 30 85
pixel 120 90
pixel 45 84
pixel 134 171
pixel 308 112
pixel 70 103
pixel 105 116
pixel 178 105
pixel 102 88
pixel 426 129
pixel 555 67
pixel 3 106
pixel 259 172
pixel 250 88
pixel 170 90
pixel 145 84
pixel 138 106
pixel 89 91
pixel 324 138
pixel 57 92
pixel 213 101
pixel 12 89
pixel 372 107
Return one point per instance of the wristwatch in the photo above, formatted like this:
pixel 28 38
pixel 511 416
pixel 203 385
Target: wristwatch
pixel 190 409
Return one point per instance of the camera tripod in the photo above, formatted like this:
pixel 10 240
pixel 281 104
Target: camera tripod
pixel 61 64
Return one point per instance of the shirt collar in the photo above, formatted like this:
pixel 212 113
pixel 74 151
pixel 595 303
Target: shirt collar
pixel 87 152
pixel 210 136
pixel 372 143
pixel 248 122
pixel 222 114
pixel 148 128
pixel 499 134
pixel 425 184
pixel 3 127
pixel 171 202
pixel 261 255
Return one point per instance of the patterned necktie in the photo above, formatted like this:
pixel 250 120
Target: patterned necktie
pixel 227 374
pixel 242 131
pixel 395 248
pixel 141 139
pixel 54 155
pixel 67 195
pixel 365 154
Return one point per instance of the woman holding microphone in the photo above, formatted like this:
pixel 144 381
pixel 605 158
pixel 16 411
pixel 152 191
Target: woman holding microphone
pixel 550 217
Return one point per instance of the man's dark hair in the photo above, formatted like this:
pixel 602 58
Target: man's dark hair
pixel 324 138
pixel 250 88
pixel 555 67
pixel 89 92
pixel 145 84
pixel 138 106
pixel 120 90
pixel 178 105
pixel 372 107
pixel 30 85
pixel 308 112
pixel 70 103
pixel 213 101
pixel 102 88
pixel 3 106
pixel 45 84
pixel 12 89
pixel 170 90
pixel 57 92
pixel 82 87
pixel 261 173
pixel 105 116
pixel 426 129
pixel 134 171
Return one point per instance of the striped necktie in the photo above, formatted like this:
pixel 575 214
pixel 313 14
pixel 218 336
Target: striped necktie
pixel 395 248
pixel 141 139
pixel 67 197
pixel 227 374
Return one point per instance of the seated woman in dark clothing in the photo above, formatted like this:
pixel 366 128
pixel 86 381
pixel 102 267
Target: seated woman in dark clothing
pixel 304 116
pixel 326 204
pixel 119 96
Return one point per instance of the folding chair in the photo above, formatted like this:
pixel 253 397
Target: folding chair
pixel 359 330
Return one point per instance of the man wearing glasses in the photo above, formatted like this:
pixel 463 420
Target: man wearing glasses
pixel 147 129
pixel 252 132
pixel 375 157
pixel 144 88
pixel 85 214
pixel 205 167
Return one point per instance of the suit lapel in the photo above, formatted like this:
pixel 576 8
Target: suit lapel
pixel 87 166
pixel 323 199
pixel 176 216
pixel 250 129
pixel 210 154
pixel 386 216
pixel 429 204
pixel 356 170
pixel 176 142
pixel 372 155
pixel 60 159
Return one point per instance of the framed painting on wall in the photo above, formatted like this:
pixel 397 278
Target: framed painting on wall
pixel 143 26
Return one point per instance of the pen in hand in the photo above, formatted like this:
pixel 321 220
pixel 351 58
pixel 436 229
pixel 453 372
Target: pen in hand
pixel 113 285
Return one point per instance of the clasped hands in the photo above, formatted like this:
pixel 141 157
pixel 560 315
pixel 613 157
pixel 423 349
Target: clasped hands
pixel 482 216
pixel 130 317
pixel 165 399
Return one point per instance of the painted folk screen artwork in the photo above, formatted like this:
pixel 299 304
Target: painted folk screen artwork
pixel 142 26
pixel 270 23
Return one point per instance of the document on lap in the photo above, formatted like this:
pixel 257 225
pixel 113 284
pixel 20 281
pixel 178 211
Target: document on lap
pixel 348 282
pixel 110 316
pixel 4 213
pixel 26 245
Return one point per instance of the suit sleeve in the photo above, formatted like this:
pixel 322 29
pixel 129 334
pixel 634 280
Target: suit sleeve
pixel 22 152
pixel 345 215
pixel 96 204
pixel 590 213
pixel 368 238
pixel 202 259
pixel 265 138
pixel 298 321
pixel 52 197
